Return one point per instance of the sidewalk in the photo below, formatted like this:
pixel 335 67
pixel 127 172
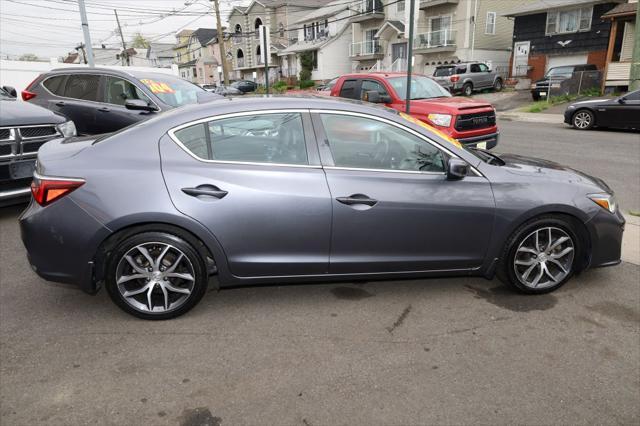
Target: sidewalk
pixel 531 117
pixel 631 240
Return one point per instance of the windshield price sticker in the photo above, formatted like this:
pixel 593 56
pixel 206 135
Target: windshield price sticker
pixel 157 86
pixel 431 129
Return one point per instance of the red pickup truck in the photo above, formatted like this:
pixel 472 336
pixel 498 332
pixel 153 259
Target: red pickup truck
pixel 469 121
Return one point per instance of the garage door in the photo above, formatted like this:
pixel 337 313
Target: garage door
pixel 558 61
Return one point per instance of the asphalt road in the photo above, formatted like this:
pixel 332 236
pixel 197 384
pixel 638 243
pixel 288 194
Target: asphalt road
pixel 455 351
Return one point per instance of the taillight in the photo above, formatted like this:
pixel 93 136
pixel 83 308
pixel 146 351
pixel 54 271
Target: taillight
pixel 46 190
pixel 27 93
pixel 454 78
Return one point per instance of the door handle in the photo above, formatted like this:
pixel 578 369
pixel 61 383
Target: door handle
pixel 207 190
pixel 104 109
pixel 60 103
pixel 356 199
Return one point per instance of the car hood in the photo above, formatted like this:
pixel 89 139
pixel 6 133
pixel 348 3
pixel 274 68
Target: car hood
pixel 18 113
pixel 447 105
pixel 536 167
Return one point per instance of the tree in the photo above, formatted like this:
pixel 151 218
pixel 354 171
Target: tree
pixel 306 65
pixel 28 57
pixel 139 41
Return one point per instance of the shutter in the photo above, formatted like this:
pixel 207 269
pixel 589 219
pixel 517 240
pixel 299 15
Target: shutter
pixel 626 51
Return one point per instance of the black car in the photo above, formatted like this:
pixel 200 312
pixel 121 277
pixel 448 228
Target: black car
pixel 552 80
pixel 102 100
pixel 621 113
pixel 23 129
pixel 223 90
pixel 245 86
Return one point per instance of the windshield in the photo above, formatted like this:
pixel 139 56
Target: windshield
pixel 560 72
pixel 172 90
pixel 421 88
pixel 444 71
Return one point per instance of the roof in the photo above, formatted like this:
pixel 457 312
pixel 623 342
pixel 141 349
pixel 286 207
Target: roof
pixel 204 35
pixel 188 64
pixel 531 7
pixel 332 8
pixel 396 25
pixel 160 49
pixel 71 58
pixel 184 33
pixel 624 9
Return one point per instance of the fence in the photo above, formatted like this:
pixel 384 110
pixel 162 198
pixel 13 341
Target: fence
pixel 579 82
pixel 19 74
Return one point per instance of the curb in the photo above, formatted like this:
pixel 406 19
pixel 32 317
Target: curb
pixel 531 117
pixel 631 240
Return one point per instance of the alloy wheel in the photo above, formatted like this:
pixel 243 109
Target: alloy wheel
pixel 544 258
pixel 155 277
pixel 582 120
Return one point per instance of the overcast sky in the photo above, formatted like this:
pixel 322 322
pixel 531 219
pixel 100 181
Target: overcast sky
pixel 51 28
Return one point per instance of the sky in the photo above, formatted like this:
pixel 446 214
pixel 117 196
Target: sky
pixel 51 28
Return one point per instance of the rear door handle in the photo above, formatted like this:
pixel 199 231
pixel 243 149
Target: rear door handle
pixel 104 109
pixel 60 103
pixel 206 190
pixel 356 199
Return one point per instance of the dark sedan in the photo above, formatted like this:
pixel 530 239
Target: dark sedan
pixel 245 86
pixel 103 100
pixel 275 190
pixel 619 113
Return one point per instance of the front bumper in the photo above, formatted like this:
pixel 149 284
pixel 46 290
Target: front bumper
pixel 15 181
pixel 605 231
pixel 484 141
pixel 568 115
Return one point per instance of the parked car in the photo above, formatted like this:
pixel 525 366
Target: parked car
pixel 102 100
pixel 472 122
pixel 467 77
pixel 245 86
pixel 23 129
pixel 209 87
pixel 361 193
pixel 325 88
pixel 223 90
pixel 622 112
pixel 554 78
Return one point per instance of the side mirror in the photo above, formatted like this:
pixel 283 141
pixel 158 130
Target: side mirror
pixel 457 169
pixel 11 91
pixel 372 96
pixel 385 99
pixel 139 105
pixel 621 100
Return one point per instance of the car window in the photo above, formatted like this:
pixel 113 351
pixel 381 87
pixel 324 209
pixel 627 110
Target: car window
pixel 461 70
pixel 483 67
pixel 370 85
pixel 82 86
pixel 118 90
pixel 260 138
pixel 365 143
pixel 172 90
pixel 633 96
pixel 561 72
pixel 348 89
pixel 444 71
pixel 55 84
pixel 421 88
pixel 475 67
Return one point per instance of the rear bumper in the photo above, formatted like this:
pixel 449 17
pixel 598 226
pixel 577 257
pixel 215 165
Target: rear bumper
pixel 606 232
pixel 61 240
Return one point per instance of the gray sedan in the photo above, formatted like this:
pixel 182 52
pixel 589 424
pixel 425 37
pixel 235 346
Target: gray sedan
pixel 275 190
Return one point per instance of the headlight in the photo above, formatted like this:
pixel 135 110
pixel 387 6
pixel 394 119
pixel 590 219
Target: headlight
pixel 67 128
pixel 440 119
pixel 606 201
pixel 533 86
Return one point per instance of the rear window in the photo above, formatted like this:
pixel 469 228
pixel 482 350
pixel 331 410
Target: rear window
pixel 55 84
pixel 82 86
pixel 444 71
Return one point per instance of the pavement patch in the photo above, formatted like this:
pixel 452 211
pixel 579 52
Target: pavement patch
pixel 505 298
pixel 350 293
pixel 200 416
pixel 616 311
pixel 400 320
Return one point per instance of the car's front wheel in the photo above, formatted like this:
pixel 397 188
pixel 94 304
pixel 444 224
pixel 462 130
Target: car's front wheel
pixel 541 255
pixel 156 275
pixel 497 86
pixel 583 119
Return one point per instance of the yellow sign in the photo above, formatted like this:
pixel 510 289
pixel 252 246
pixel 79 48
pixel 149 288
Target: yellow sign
pixel 157 86
pixel 431 129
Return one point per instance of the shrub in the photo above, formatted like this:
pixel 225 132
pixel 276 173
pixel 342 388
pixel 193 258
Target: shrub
pixel 304 84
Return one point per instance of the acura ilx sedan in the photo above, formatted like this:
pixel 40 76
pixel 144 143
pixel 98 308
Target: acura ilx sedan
pixel 255 191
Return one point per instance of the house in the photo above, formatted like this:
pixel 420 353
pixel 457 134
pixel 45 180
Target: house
pixel 279 16
pixel 550 33
pixel 325 34
pixel 181 48
pixel 195 59
pixel 446 31
pixel 160 55
pixel 622 39
pixel 104 56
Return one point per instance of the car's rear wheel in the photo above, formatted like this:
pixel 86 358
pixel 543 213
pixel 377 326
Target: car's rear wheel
pixel 497 86
pixel 583 119
pixel 156 275
pixel 467 89
pixel 541 255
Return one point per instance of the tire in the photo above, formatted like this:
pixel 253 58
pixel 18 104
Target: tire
pixel 467 89
pixel 535 97
pixel 550 268
pixel 497 86
pixel 583 119
pixel 166 288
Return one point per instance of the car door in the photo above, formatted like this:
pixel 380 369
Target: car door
pixel 80 101
pixel 623 112
pixel 254 179
pixel 393 208
pixel 113 115
pixel 479 77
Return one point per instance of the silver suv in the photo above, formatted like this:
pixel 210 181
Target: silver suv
pixel 466 77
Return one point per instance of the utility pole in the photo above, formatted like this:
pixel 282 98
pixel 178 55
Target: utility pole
pixel 85 31
pixel 223 54
pixel 473 35
pixel 412 12
pixel 634 75
pixel 124 45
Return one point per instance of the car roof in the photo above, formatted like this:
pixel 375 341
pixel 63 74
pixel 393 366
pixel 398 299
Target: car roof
pixel 102 70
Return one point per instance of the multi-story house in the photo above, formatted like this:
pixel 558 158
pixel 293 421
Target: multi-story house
pixel 279 16
pixel 195 59
pixel 325 34
pixel 181 50
pixel 552 33
pixel 446 31
pixel 160 55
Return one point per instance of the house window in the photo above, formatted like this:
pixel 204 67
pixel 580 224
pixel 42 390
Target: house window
pixel 281 29
pixel 314 55
pixel 490 25
pixel 195 73
pixel 400 6
pixel 569 21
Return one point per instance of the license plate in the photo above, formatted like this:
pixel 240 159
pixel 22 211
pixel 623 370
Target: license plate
pixel 23 169
pixel 482 145
pixel 543 93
